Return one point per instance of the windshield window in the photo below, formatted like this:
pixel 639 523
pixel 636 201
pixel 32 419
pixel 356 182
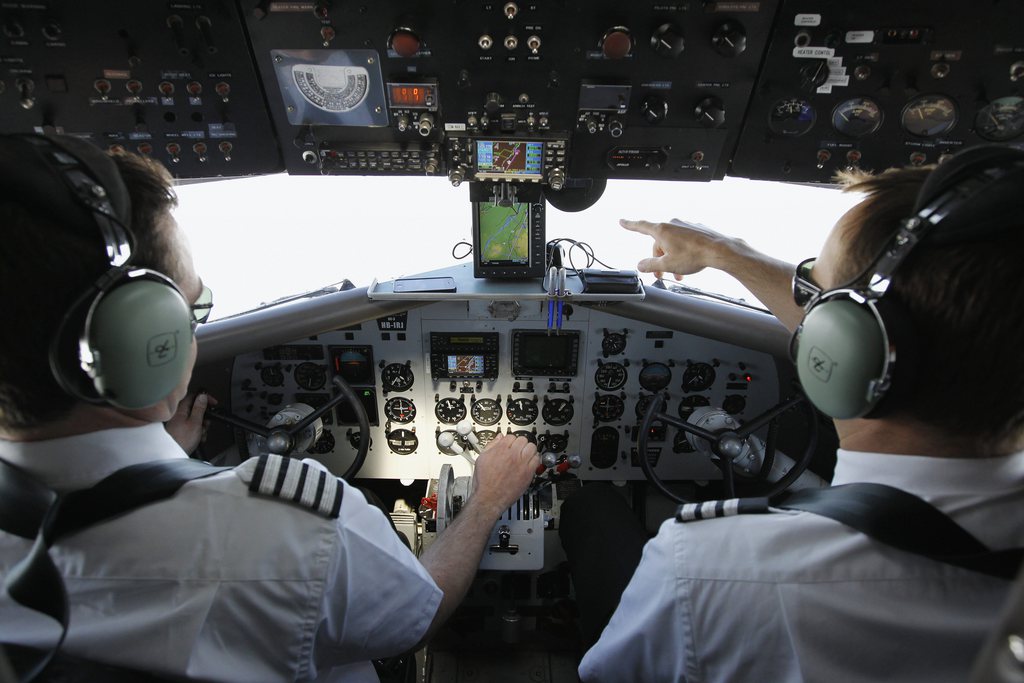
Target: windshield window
pixel 259 239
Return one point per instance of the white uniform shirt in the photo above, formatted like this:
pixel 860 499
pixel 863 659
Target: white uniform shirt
pixel 796 597
pixel 218 583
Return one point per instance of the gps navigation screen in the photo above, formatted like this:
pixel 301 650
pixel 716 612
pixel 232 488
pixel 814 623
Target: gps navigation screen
pixel 504 237
pixel 504 158
pixel 465 366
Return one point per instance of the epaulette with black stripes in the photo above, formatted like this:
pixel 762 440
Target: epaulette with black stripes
pixel 692 512
pixel 302 483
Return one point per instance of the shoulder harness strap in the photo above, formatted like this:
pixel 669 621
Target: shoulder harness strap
pixel 883 513
pixel 35 582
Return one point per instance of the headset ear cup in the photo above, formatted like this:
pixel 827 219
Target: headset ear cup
pixel 140 337
pixel 903 339
pixel 65 362
pixel 840 349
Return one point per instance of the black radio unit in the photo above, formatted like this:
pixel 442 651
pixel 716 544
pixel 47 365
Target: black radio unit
pixel 464 355
pixel 535 353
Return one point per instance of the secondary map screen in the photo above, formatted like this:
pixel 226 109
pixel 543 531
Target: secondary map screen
pixel 504 233
pixel 504 158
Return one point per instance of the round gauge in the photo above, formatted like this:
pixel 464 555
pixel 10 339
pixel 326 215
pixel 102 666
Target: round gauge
pixel 526 434
pixel 557 411
pixel 643 401
pixel 792 117
pixel 450 410
pixel 734 403
pixel 610 376
pixel 325 444
pixel 698 377
pixel 604 445
pixel 857 117
pixel 680 444
pixel 485 411
pixel 613 343
pixel 927 116
pixel 353 366
pixel 310 376
pixel 397 377
pixel 655 376
pixel 689 403
pixel 400 409
pixel 402 441
pixel 272 376
pixel 485 436
pixel 1001 119
pixel 521 411
pixel 608 408
pixel 552 443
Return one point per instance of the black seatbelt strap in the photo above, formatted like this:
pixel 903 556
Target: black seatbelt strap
pixel 902 520
pixel 31 510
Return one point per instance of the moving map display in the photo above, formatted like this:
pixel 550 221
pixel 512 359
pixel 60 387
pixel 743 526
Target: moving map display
pixel 504 233
pixel 506 158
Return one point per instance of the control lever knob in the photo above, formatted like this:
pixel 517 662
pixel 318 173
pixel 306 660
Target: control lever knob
pixel 549 459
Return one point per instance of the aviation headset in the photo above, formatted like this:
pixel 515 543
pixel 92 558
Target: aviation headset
pixel 126 340
pixel 855 343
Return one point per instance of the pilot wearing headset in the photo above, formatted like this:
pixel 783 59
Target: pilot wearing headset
pixel 101 300
pixel 908 331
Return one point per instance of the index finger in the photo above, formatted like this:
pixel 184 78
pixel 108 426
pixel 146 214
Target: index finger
pixel 645 227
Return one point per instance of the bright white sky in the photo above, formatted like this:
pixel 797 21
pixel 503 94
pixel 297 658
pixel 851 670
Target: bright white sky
pixel 259 239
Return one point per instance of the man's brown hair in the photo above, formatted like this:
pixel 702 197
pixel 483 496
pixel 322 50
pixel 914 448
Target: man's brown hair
pixel 45 266
pixel 963 301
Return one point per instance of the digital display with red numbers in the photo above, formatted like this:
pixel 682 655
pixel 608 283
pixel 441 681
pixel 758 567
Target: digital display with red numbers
pixel 411 95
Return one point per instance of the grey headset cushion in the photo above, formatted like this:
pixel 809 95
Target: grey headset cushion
pixel 841 350
pixel 141 336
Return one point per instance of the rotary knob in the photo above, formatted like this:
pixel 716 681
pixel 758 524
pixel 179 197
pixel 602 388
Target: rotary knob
pixel 425 124
pixel 492 102
pixel 814 74
pixel 457 175
pixel 616 43
pixel 710 112
pixel 668 41
pixel 729 39
pixel 556 179
pixel 654 108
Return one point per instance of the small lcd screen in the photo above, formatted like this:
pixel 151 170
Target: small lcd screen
pixel 504 234
pixel 541 354
pixel 411 95
pixel 507 158
pixel 465 365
